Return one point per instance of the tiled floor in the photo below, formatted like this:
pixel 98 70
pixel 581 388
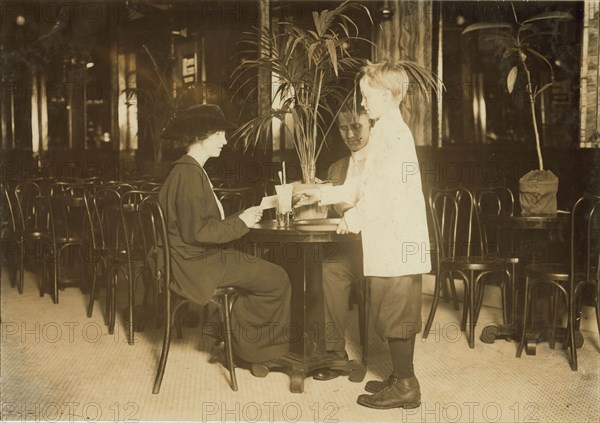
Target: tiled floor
pixel 56 364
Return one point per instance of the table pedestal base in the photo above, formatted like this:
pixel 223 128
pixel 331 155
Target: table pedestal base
pixel 508 332
pixel 492 332
pixel 300 368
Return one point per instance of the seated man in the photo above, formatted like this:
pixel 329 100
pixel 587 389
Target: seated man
pixel 344 269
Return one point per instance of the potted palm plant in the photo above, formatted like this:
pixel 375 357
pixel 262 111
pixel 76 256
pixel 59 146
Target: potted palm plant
pixel 308 67
pixel 537 188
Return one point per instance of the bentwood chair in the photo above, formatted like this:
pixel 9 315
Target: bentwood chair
pixel 150 186
pixel 8 234
pixel 234 200
pixel 152 219
pixel 135 263
pixel 71 208
pixel 493 203
pixel 460 251
pixel 108 240
pixel 34 232
pixel 569 278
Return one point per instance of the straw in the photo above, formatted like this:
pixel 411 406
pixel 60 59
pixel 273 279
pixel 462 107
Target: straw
pixel 284 177
pixel 280 177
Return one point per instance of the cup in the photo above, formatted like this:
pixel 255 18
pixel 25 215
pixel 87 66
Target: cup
pixel 283 220
pixel 284 204
pixel 284 197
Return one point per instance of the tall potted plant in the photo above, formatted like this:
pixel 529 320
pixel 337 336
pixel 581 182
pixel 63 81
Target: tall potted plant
pixel 308 67
pixel 538 188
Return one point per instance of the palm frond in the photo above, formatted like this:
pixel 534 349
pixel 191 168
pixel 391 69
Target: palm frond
pixel 308 66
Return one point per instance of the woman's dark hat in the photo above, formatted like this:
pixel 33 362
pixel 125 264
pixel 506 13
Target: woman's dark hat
pixel 196 119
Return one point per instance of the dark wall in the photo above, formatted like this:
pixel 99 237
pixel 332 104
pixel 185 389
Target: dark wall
pixel 578 170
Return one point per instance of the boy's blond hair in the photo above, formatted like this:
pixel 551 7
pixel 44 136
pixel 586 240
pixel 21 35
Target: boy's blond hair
pixel 388 75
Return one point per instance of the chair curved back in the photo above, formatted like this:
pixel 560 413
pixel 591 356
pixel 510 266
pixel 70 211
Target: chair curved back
pixel 7 206
pixel 150 186
pixel 585 239
pixel 456 223
pixel 32 215
pixel 129 208
pixel 493 202
pixel 119 185
pixel 158 253
pixel 234 200
pixel 107 220
pixel 71 207
pixel 45 184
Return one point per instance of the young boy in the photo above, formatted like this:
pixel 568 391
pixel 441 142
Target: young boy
pixel 389 212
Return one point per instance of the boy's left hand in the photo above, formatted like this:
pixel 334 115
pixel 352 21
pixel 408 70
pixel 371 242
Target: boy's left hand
pixel 342 227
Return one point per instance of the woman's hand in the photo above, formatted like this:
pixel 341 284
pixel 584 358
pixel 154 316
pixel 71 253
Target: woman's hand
pixel 251 215
pixel 307 194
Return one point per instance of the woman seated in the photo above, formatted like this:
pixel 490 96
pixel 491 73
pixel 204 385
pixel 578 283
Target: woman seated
pixel 198 232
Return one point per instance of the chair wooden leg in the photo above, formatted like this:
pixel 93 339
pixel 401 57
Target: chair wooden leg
pixel 434 304
pixel 225 304
pixel 113 303
pixel 554 314
pixel 597 305
pixel 84 283
pixel 471 289
pixel 479 292
pixel 10 263
pixel 504 292
pixel 577 310
pixel 22 267
pixel 44 279
pixel 445 292
pixel 453 292
pixel 108 300
pixel 56 275
pixel 90 307
pixel 365 325
pixel 525 314
pixel 166 344
pixel 463 321
pixel 514 296
pixel 571 328
pixel 130 277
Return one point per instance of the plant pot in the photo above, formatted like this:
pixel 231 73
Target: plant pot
pixel 314 211
pixel 537 193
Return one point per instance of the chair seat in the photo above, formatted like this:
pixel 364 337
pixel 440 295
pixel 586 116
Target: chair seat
pixel 69 239
pixel 130 208
pixel 475 263
pixel 35 235
pixel 70 201
pixel 225 290
pixel 554 271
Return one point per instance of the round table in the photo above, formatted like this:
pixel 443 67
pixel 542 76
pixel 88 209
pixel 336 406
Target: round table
pixel 557 227
pixel 301 253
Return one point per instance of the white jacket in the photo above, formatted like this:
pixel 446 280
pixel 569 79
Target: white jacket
pixel 389 207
